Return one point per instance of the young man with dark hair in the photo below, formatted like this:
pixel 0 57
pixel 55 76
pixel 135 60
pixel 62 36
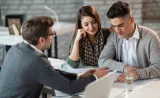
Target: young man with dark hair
pixel 26 69
pixel 136 48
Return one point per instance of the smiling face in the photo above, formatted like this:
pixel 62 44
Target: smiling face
pixel 123 26
pixel 89 25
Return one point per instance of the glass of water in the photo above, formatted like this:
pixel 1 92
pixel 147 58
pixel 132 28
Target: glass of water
pixel 129 81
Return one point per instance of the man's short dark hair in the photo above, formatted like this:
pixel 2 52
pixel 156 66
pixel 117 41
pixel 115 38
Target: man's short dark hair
pixel 118 9
pixel 35 28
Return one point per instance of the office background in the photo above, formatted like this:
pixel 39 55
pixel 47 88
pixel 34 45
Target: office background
pixel 146 12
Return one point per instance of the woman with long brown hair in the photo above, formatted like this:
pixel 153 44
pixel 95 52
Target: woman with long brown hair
pixel 88 39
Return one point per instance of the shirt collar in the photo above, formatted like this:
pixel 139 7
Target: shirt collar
pixel 136 33
pixel 35 48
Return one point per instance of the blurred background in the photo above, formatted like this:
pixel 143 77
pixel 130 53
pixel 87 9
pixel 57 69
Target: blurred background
pixel 146 12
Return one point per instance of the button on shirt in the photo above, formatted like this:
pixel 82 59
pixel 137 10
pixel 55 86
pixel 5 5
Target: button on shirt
pixel 129 49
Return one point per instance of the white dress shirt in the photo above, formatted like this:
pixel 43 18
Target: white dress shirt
pixel 35 48
pixel 129 49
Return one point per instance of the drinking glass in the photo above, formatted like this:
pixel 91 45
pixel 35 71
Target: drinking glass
pixel 129 81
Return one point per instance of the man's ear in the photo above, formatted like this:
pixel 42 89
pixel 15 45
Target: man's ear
pixel 41 40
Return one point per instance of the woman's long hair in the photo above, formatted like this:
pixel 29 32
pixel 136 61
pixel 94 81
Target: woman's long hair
pixel 82 12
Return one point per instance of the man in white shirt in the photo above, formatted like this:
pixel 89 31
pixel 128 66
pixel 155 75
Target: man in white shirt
pixel 131 47
pixel 26 69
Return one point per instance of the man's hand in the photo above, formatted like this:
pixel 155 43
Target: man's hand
pixel 129 69
pixel 87 74
pixel 101 72
pixel 135 74
pixel 121 78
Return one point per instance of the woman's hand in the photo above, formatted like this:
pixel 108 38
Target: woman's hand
pixel 81 33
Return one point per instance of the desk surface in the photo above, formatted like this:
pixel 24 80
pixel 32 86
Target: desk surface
pixel 141 88
pixel 149 90
pixel 62 65
pixel 10 39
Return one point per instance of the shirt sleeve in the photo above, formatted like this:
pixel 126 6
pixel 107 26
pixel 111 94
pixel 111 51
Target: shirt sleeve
pixel 60 80
pixel 72 63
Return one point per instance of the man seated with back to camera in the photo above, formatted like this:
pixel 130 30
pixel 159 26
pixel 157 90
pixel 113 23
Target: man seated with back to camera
pixel 26 69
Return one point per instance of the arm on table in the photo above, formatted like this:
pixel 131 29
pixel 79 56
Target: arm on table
pixel 108 53
pixel 60 80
